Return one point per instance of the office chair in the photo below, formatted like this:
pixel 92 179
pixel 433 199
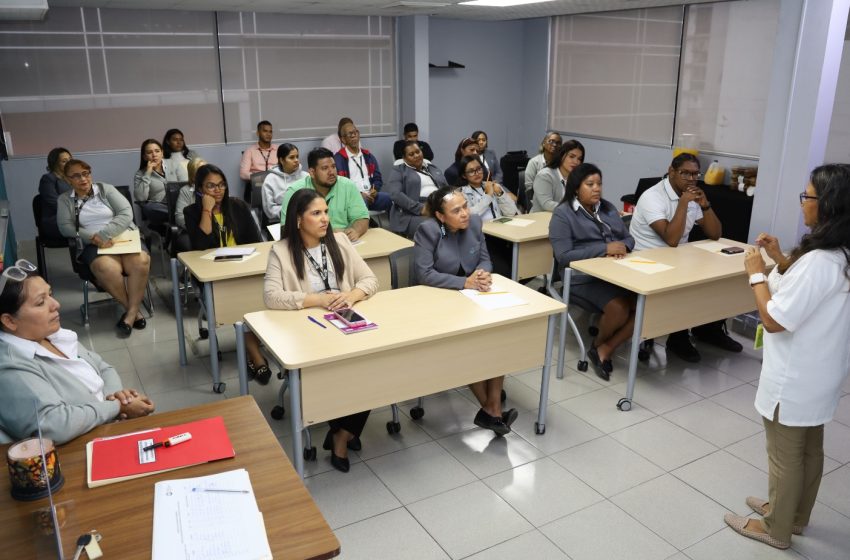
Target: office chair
pixel 257 180
pixel 43 241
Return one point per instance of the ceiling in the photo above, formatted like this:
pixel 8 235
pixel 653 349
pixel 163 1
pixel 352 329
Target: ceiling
pixel 441 8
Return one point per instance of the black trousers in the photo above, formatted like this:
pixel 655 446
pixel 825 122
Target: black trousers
pixel 352 423
pixel 705 329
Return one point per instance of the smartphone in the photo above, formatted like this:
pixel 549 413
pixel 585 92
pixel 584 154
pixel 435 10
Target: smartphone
pixel 228 258
pixel 350 317
pixel 731 250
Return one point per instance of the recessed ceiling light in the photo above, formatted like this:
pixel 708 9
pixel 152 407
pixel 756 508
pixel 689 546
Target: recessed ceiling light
pixel 502 3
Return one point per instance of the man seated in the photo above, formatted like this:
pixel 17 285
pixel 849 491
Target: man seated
pixel 411 134
pixel 346 210
pixel 664 216
pixel 359 165
pixel 259 157
pixel 332 141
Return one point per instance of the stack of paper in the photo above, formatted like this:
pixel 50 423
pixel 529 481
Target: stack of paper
pixel 209 517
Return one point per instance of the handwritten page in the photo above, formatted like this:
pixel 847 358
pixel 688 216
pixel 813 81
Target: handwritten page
pixel 496 298
pixel 126 243
pixel 519 222
pixel 210 517
pixel 645 266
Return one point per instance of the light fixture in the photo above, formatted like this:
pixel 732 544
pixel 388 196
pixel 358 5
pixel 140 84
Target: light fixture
pixel 501 3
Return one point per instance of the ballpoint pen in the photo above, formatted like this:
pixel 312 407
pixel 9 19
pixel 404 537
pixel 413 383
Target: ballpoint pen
pixel 313 319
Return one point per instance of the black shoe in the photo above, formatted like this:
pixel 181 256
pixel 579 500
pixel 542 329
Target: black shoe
pixel 139 324
pixel 123 329
pixel 252 371
pixel 599 365
pixel 509 417
pixel 495 423
pixel 718 336
pixel 684 350
pixel 355 444
pixel 263 375
pixel 340 463
pixel 329 441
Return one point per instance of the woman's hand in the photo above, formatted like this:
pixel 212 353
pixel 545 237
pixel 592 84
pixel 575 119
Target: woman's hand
pixel 98 241
pixel 616 249
pixel 208 202
pixel 124 396
pixel 488 187
pixel 771 246
pixel 139 406
pixel 151 167
pixel 479 280
pixel 753 263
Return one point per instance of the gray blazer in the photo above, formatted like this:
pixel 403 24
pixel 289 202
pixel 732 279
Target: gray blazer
pixel 493 166
pixel 437 257
pixel 548 190
pixel 66 407
pixel 122 214
pixel 403 187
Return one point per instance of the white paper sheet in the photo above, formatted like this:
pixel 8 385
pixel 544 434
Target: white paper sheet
pixel 125 243
pixel 494 299
pixel 212 255
pixel 519 222
pixel 643 265
pixel 233 251
pixel 274 229
pixel 713 247
pixel 191 522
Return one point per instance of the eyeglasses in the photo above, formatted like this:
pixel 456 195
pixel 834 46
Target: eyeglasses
pixel 554 142
pixel 475 171
pixel 17 273
pixel 215 186
pixel 804 197
pixel 353 134
pixel 80 176
pixel 690 175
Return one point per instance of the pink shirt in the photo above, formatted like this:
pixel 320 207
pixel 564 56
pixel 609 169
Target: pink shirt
pixel 255 159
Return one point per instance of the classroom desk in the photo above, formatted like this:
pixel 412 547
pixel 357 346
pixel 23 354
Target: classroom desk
pixel 702 287
pixel 532 251
pixel 123 512
pixel 428 340
pixel 232 289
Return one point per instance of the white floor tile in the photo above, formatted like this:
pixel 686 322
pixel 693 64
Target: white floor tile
pixel 445 414
pixel 420 471
pixel 729 544
pixel 322 464
pixel 700 379
pixel 468 519
pixel 724 428
pixel 543 491
pixel 599 409
pixel 530 545
pixel 842 413
pixel 744 366
pixel 521 396
pixel 175 399
pixel 664 443
pixel 657 395
pixel 826 537
pixel 563 429
pixel 741 399
pixel 835 490
pixel 395 534
pixel 607 466
pixel 572 385
pixel 486 454
pixel 836 442
pixel 588 535
pixel 377 441
pixel 725 479
pixel 346 498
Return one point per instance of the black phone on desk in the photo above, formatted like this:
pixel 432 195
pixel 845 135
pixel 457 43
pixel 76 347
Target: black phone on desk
pixel 731 250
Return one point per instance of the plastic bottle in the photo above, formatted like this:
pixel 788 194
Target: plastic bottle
pixel 716 174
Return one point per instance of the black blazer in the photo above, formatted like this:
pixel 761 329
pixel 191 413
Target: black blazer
pixel 50 187
pixel 246 227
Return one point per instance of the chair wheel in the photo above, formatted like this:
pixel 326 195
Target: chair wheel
pixel 538 429
pixel 417 412
pixel 624 405
pixel 393 427
pixel 504 396
pixel 219 387
pixel 282 373
pixel 204 333
pixel 278 412
pixel 582 365
pixel 593 331
pixel 309 453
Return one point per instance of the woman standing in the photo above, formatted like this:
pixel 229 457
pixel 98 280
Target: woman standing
pixel 548 146
pixel 549 182
pixel 409 185
pixel 52 184
pixel 805 308
pixel 311 266
pixel 280 177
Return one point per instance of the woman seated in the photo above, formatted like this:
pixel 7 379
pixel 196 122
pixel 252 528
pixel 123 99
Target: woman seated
pixel 548 147
pixel 584 226
pixel 44 366
pixel 449 252
pixel 216 220
pixel 489 159
pixel 409 185
pixel 467 148
pixel 52 184
pixel 287 171
pixel 93 214
pixel 150 182
pixel 549 181
pixel 311 266
pixel 178 155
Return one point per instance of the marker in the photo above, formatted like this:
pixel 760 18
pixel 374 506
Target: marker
pixel 170 442
pixel 316 321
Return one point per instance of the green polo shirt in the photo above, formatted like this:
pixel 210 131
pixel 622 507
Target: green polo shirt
pixel 345 205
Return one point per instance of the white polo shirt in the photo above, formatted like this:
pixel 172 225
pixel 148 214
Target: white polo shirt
pixel 805 366
pixel 659 202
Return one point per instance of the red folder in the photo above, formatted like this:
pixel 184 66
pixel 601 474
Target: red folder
pixel 117 458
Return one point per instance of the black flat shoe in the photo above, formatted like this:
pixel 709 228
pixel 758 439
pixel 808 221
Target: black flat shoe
pixel 495 423
pixel 340 463
pixel 263 375
pixel 139 324
pixel 598 365
pixel 123 329
pixel 509 416
pixel 355 444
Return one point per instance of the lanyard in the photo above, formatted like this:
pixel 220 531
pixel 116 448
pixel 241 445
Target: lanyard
pixel 221 229
pixel 323 270
pixel 483 194
pixel 78 207
pixel 266 156
pixel 604 229
pixel 424 171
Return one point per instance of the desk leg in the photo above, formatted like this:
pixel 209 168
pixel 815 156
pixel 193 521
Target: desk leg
pixel 295 417
pixel 178 312
pixel 625 404
pixel 540 425
pixel 562 332
pixel 218 386
pixel 241 358
pixel 515 262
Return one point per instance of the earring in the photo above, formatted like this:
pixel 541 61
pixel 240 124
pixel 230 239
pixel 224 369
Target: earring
pixel 298 224
pixel 442 230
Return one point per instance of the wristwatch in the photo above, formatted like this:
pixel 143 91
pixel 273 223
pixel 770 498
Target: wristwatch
pixel 757 278
pixel 707 207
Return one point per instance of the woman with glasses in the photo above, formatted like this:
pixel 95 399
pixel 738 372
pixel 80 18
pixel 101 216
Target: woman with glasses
pixel 44 367
pixel 313 267
pixel 94 214
pixel 409 184
pixel 177 154
pixel 804 304
pixel 52 184
pixel 548 147
pixel 549 182
pixel 584 226
pixel 449 252
pixel 217 220
pixel 467 148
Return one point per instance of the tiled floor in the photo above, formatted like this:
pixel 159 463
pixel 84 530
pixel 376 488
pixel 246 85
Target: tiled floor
pixel 601 484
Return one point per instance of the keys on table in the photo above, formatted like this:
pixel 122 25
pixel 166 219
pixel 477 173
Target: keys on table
pixel 89 543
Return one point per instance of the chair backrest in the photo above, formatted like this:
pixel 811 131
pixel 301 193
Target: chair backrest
pixel 402 272
pixel 172 193
pixel 36 213
pixel 257 180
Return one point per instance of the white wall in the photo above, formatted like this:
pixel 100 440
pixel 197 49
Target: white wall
pixel 838 146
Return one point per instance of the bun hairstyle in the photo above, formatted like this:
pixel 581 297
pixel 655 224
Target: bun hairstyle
pixel 437 199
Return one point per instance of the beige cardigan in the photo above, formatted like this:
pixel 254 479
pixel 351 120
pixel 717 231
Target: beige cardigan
pixel 283 290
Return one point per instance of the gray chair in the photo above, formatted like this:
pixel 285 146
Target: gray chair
pixel 257 180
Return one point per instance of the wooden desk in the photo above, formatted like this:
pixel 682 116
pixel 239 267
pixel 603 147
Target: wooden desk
pixel 123 512
pixel 702 287
pixel 428 340
pixel 232 289
pixel 532 251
